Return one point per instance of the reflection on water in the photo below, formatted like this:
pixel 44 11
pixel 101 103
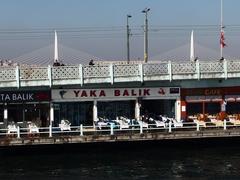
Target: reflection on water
pixel 141 162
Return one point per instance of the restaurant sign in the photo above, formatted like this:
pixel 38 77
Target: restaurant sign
pixel 24 96
pixel 62 94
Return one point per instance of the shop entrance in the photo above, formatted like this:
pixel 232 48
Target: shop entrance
pixel 164 107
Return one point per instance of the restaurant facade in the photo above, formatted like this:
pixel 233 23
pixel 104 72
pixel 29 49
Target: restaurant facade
pixel 86 106
pixel 210 101
pixel 25 106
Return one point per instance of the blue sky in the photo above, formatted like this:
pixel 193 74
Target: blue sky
pixel 170 22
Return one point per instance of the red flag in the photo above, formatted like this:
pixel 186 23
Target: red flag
pixel 222 39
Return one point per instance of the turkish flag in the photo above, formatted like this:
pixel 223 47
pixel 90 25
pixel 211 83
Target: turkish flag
pixel 222 39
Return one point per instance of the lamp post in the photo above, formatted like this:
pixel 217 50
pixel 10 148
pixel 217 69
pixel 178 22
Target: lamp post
pixel 145 11
pixel 128 35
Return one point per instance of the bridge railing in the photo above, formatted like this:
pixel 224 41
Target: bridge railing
pixel 113 73
pixel 81 130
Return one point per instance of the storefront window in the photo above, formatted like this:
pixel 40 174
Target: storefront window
pixel 233 108
pixel 75 112
pixel 15 113
pixel 194 108
pixel 111 110
pixel 212 108
pixel 159 107
pixel 29 112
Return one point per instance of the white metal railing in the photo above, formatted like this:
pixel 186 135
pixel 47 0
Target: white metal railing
pixel 115 129
pixel 117 72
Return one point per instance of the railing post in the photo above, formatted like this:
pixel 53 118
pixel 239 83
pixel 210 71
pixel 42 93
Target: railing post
pixel 81 130
pixel 197 126
pixel 18 132
pixel 225 68
pixel 50 75
pixel 50 130
pixel 140 67
pixel 198 69
pixel 225 124
pixel 111 128
pixel 141 128
pixel 80 74
pixel 17 76
pixel 170 126
pixel 111 73
pixel 170 70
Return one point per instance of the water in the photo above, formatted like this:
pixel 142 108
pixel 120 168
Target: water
pixel 138 161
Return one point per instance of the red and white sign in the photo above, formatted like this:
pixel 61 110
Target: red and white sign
pixel 117 93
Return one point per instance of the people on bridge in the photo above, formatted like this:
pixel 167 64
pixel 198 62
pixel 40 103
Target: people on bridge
pixel 56 63
pixel 91 63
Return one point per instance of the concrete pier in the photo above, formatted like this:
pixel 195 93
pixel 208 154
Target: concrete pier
pixel 121 137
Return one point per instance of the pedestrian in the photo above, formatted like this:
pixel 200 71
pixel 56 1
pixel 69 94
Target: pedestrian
pixel 91 63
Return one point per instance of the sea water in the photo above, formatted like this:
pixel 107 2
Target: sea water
pixel 138 161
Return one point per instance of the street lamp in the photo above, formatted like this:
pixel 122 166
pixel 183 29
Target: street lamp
pixel 146 10
pixel 128 35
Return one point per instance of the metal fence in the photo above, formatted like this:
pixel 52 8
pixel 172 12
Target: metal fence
pixel 115 129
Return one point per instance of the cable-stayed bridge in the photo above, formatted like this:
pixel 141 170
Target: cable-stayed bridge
pixel 45 56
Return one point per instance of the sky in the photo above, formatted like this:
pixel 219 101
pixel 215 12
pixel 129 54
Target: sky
pixel 98 27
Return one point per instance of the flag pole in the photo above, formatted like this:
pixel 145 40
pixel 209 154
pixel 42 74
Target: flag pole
pixel 221 28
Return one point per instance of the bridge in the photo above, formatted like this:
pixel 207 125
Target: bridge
pixel 29 76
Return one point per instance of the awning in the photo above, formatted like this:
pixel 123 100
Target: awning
pixel 232 98
pixel 204 98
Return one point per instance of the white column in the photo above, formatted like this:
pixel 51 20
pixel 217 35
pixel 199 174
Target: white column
pixel 178 109
pixel 170 70
pixel 5 114
pixel 50 75
pixel 111 73
pixel 51 113
pixel 137 110
pixel 95 111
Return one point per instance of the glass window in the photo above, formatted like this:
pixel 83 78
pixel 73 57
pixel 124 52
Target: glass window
pixel 159 107
pixel 194 108
pixel 75 112
pixel 112 109
pixel 29 112
pixel 212 108
pixel 233 107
